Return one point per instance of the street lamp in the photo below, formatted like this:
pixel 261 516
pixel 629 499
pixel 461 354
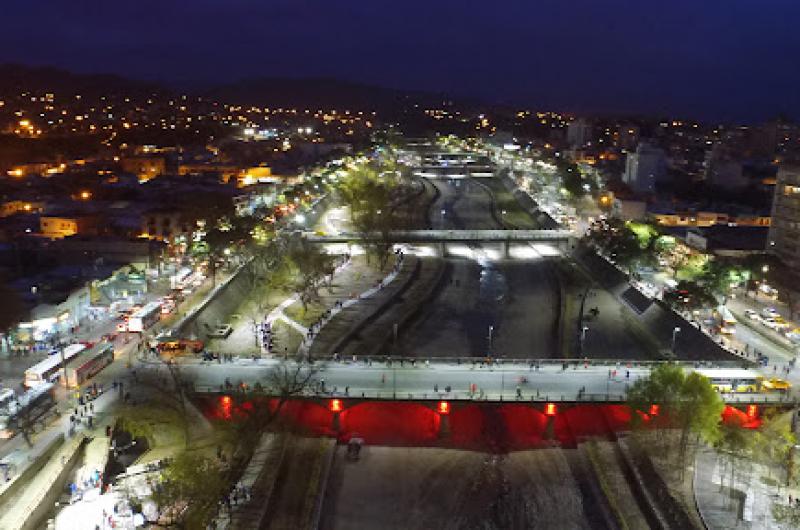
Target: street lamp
pixel 491 331
pixel 675 336
pixel 584 329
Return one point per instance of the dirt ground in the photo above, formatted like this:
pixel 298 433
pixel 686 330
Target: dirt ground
pixel 410 488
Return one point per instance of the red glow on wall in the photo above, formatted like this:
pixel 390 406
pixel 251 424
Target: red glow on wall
pixel 335 405
pixel 225 407
pixel 654 409
pixel 550 409
pixel 443 408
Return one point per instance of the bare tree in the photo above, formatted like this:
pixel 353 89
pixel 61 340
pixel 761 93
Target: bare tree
pixel 284 381
pixel 168 400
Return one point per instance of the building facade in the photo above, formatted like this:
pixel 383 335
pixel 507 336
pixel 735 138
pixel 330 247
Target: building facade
pixel 784 235
pixel 644 167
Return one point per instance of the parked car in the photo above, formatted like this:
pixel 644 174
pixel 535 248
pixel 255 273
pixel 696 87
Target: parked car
pixel 752 315
pixel 770 312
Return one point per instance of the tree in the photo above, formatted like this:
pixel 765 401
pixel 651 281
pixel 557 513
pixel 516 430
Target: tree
pixel 689 295
pixel 687 403
pixel 310 265
pixel 370 197
pixel 284 381
pixel 773 444
pixel 720 276
pixel 189 490
pixel 168 392
pixel 733 446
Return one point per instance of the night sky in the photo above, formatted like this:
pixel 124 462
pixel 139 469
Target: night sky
pixel 712 59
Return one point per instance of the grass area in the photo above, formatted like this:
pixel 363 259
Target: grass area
pixel 515 216
pixel 305 316
pixel 288 339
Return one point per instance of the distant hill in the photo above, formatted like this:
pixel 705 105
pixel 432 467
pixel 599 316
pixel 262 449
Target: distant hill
pixel 322 93
pixel 15 78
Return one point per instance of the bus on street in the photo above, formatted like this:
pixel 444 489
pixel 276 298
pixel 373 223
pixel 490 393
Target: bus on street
pixel 89 364
pixel 144 317
pixel 46 371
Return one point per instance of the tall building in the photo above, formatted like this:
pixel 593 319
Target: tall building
pixel 579 133
pixel 644 167
pixel 723 170
pixel 784 233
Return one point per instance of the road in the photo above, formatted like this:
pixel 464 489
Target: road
pixel 517 298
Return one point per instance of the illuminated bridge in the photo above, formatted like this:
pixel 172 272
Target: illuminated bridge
pixel 567 381
pixel 487 408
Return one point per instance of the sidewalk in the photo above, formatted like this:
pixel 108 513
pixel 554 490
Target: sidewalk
pixel 343 321
pixel 752 507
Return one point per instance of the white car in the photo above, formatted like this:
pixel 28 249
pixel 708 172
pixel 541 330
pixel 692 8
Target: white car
pixel 752 315
pixel 771 323
pixel 770 312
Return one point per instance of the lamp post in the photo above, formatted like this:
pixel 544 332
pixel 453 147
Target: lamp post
pixel 491 331
pixel 675 332
pixel 584 329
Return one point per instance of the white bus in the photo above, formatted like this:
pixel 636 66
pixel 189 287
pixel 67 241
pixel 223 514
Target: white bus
pixel 89 364
pixel 46 371
pixel 728 380
pixel 144 317
pixel 33 405
pixel 8 401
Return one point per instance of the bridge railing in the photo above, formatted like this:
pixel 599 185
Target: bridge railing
pixel 525 395
pixel 499 363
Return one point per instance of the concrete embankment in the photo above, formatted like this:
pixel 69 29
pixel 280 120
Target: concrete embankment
pixel 346 325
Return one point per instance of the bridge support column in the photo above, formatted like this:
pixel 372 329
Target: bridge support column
pixel 444 426
pixel 443 249
pixel 549 429
pixel 507 249
pixel 335 423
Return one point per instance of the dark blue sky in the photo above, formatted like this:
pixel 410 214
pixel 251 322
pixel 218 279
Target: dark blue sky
pixel 720 59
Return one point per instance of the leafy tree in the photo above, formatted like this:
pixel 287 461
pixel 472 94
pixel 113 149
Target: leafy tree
pixel 371 195
pixel 687 403
pixel 689 295
pixel 720 276
pixel 787 516
pixel 734 444
pixel 189 491
pixel 773 444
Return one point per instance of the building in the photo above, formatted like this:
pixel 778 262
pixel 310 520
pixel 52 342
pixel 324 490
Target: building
pixel 225 171
pixel 579 133
pixel 724 171
pixel 56 227
pixel 19 206
pixel 784 235
pixel 728 241
pixel 644 167
pixel 144 167
pixel 166 225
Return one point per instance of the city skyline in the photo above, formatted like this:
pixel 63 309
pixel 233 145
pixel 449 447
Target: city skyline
pixel 696 61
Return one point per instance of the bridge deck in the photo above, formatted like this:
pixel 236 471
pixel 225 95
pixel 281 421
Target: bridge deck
pixel 435 236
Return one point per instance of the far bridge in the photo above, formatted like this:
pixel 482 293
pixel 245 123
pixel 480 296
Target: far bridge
pixel 562 239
